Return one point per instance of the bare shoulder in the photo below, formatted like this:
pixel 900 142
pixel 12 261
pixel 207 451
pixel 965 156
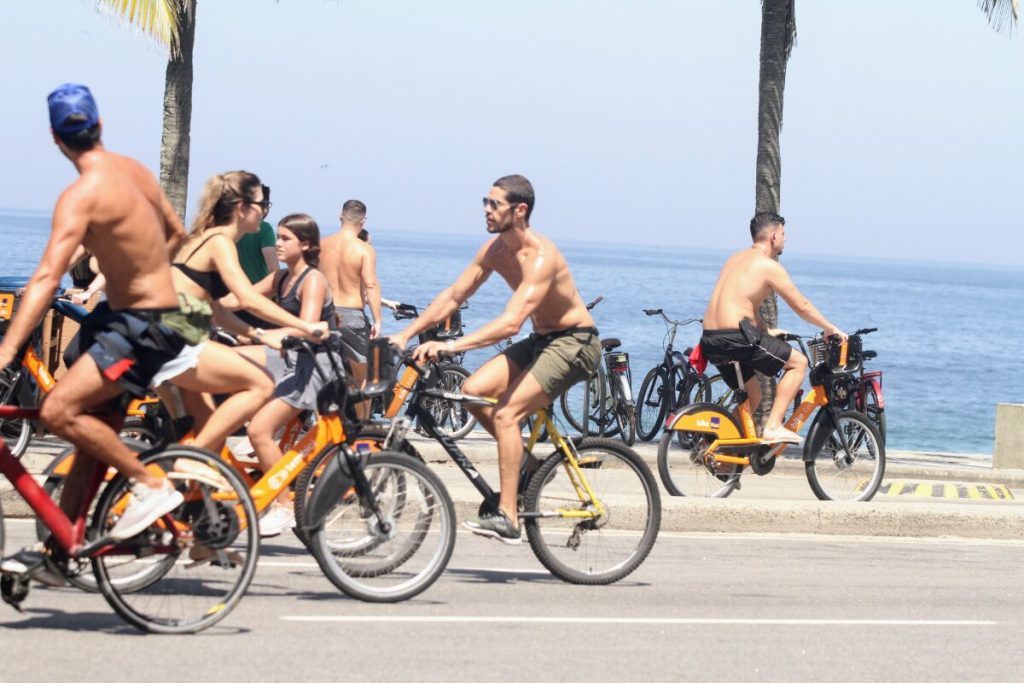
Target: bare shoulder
pixel 79 197
pixel 491 251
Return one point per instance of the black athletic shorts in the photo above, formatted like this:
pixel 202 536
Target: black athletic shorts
pixel 755 351
pixel 129 346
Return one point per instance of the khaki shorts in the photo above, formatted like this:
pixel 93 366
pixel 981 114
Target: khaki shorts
pixel 559 359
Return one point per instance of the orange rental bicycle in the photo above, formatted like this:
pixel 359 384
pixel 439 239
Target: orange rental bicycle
pixel 705 447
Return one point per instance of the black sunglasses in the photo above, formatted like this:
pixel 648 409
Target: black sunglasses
pixel 264 204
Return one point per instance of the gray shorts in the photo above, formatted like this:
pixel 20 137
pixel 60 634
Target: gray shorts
pixel 354 326
pixel 300 383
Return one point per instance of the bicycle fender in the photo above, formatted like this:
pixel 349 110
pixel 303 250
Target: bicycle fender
pixel 816 435
pixel 709 418
pixel 876 384
pixel 334 482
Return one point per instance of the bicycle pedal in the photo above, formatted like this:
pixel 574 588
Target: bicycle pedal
pixel 14 590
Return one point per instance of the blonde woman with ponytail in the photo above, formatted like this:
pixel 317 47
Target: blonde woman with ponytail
pixel 205 270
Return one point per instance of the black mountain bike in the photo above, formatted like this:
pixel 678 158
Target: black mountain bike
pixel 671 384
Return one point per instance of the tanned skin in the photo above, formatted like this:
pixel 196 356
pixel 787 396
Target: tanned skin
pixel 117 211
pixel 745 281
pixel 543 291
pixel 350 265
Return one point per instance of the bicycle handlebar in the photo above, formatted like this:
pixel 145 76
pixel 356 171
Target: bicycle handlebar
pixel 595 302
pixel 653 311
pixel 864 330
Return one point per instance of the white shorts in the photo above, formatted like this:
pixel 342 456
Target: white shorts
pixel 183 362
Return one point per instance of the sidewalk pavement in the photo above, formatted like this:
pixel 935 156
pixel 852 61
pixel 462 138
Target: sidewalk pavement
pixel 923 494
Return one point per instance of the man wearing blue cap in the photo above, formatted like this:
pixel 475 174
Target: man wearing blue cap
pixel 117 211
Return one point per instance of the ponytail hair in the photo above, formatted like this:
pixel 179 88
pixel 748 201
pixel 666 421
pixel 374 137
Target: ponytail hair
pixel 220 195
pixel 305 230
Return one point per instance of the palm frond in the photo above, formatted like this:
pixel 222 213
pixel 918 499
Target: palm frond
pixel 155 18
pixel 1000 13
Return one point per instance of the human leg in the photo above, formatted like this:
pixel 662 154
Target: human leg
pixel 221 370
pixel 491 379
pixel 262 428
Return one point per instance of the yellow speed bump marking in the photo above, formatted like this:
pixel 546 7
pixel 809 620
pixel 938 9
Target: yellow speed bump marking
pixel 927 489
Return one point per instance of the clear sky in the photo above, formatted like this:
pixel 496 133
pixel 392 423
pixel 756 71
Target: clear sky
pixel 636 121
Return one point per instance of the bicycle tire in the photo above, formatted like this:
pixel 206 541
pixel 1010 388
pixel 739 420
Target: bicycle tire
pixel 869 399
pixel 684 470
pixel 833 473
pixel 305 483
pixel 17 432
pixel 625 417
pixel 139 429
pixel 651 406
pixel 695 390
pixel 221 536
pixel 589 398
pixel 557 540
pixel 82 577
pixel 384 573
pixel 452 418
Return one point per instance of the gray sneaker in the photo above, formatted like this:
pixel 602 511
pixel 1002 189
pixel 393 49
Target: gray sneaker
pixel 495 525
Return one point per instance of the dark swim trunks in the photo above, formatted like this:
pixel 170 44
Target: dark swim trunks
pixel 129 346
pixel 355 333
pixel 755 351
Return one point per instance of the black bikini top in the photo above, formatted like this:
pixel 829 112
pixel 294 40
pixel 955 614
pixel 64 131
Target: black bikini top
pixel 210 281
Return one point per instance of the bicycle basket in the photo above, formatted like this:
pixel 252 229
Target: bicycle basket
pixel 829 353
pixel 8 304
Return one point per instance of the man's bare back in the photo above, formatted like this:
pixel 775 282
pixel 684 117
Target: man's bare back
pixel 128 222
pixel 344 259
pixel 741 288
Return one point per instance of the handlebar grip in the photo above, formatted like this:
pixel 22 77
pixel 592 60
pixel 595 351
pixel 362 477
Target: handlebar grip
pixel 595 302
pixel 652 311
pixel 292 343
pixel 790 337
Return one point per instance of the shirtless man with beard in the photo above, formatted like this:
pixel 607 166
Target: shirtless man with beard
pixel 564 348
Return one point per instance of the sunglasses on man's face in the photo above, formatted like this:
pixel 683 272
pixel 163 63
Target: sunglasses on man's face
pixel 493 204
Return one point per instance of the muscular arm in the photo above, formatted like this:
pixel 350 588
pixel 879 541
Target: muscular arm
pixel 537 278
pixel 780 281
pixel 448 301
pixel 69 225
pixel 371 288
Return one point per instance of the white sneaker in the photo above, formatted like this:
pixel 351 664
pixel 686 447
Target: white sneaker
pixel 277 520
pixel 781 435
pixel 146 506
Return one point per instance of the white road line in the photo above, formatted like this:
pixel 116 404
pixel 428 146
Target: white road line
pixel 640 621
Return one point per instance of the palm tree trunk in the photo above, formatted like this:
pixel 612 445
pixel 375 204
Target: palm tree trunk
pixel 177 129
pixel 778 31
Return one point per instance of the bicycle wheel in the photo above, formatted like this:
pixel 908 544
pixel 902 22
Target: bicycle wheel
pixel 139 429
pixel 369 438
pixel 399 555
pixel 651 404
pixel 692 388
pixel 452 418
pixel 212 536
pixel 836 473
pixel 587 407
pixel 871 409
pixel 721 393
pixel 625 419
pixel 79 573
pixel 685 471
pixel 600 549
pixel 17 432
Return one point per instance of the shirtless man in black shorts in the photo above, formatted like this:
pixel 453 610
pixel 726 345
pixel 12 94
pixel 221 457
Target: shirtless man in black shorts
pixel 564 349
pixel 117 210
pixel 733 332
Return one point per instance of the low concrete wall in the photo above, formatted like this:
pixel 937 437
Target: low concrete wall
pixel 1009 450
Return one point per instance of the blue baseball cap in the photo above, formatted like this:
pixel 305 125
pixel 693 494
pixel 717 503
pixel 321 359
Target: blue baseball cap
pixel 72 109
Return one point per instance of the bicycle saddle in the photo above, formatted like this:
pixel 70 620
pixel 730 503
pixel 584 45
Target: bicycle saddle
pixel 868 355
pixel 610 343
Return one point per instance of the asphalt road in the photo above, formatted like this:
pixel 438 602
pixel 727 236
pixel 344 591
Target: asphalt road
pixel 703 606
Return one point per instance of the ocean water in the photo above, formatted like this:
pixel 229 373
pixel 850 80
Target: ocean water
pixel 946 339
